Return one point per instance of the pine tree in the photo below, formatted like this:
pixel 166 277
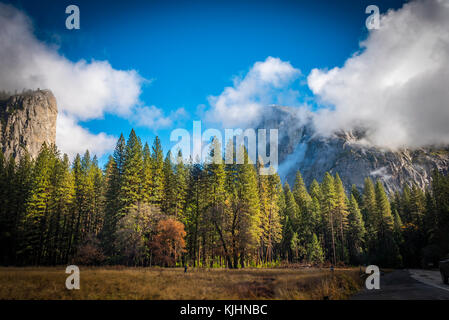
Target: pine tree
pixel 131 191
pixel 296 247
pixel 265 244
pixel 3 211
pixel 113 198
pixel 194 208
pixel 431 218
pixel 397 228
pixel 168 204
pixel 369 213
pixel 98 198
pixel 112 206
pixel 315 190
pixel 317 221
pixel 308 221
pixel 120 154
pixel 356 232
pixel 249 214
pixel 147 175
pixel 388 251
pixel 291 218
pixel 180 186
pixel 357 195
pixel 315 252
pixel 218 213
pixel 10 206
pixel 440 191
pixel 60 207
pixel 405 205
pixel 384 216
pixel 301 195
pixel 328 208
pixel 89 171
pixel 22 187
pixel 35 220
pixel 270 189
pixel 157 160
pixel 80 210
pixel 341 211
pixel 8 210
pixel 417 206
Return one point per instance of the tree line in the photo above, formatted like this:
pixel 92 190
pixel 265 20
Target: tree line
pixel 145 209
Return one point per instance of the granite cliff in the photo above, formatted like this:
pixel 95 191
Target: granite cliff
pixel 346 153
pixel 27 121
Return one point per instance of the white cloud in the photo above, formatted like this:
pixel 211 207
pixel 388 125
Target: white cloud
pixel 154 118
pixel 73 139
pixel 83 90
pixel 397 85
pixel 265 83
pixel 381 173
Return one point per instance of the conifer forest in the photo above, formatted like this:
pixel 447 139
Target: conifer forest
pixel 147 208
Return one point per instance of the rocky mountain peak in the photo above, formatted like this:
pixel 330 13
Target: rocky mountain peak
pixel 27 121
pixel 348 154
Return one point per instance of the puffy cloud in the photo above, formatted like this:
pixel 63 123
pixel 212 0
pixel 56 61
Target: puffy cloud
pixel 396 87
pixel 265 83
pixel 83 90
pixel 154 118
pixel 72 138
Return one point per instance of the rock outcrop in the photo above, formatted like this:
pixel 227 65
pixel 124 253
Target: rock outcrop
pixel 345 153
pixel 27 121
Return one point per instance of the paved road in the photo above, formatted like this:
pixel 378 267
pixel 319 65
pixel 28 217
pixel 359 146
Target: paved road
pixel 408 285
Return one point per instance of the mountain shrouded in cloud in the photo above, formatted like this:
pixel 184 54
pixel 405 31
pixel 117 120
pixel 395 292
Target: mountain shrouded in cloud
pixel 396 87
pixel 265 83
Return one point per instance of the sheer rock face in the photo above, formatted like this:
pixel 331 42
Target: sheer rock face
pixel 347 154
pixel 27 121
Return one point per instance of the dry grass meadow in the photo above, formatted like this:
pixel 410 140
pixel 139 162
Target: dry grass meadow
pixel 48 283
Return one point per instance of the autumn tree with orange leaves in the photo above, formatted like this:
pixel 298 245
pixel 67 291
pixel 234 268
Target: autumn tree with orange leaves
pixel 168 244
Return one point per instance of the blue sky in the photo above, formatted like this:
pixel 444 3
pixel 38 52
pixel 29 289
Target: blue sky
pixel 193 49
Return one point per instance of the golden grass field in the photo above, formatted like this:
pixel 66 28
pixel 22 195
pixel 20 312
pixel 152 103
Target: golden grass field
pixel 48 283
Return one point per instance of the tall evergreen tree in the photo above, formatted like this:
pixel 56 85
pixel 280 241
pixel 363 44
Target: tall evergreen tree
pixel 35 220
pixel 328 208
pixel 301 195
pixel 157 159
pixel 120 154
pixel 290 223
pixel 112 206
pixel 315 252
pixel 147 175
pixel 369 212
pixel 249 213
pixel 217 212
pixel 388 251
pixel 341 216
pixel 181 176
pixel 22 188
pixel 357 195
pixel 417 206
pixel 356 232
pixel 169 194
pixel 131 191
